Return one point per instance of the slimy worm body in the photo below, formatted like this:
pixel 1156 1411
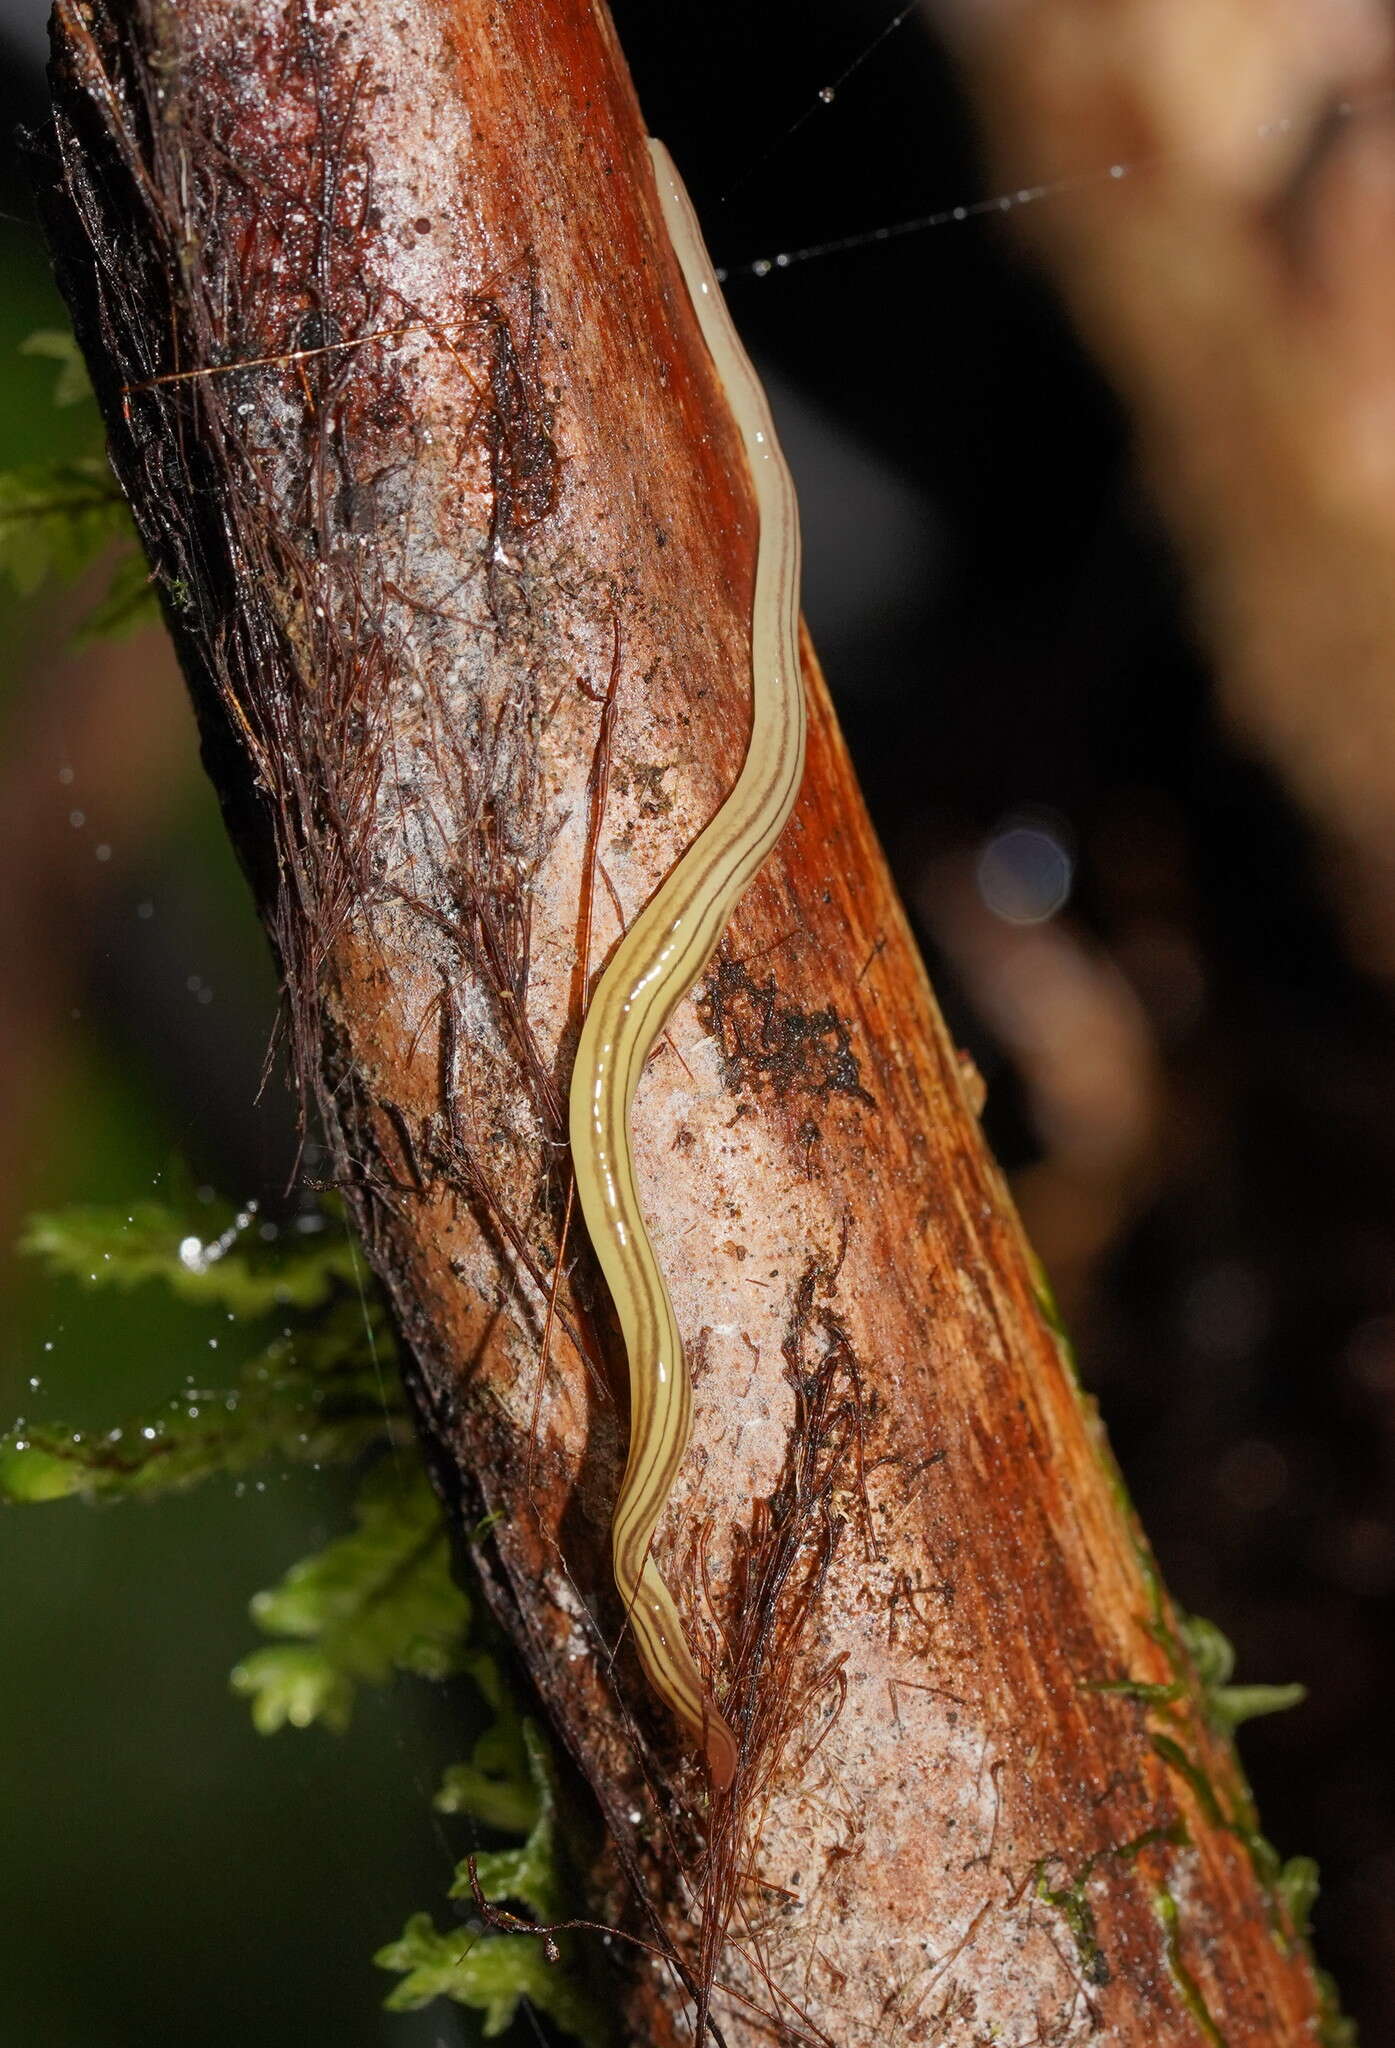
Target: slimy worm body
pixel 655 964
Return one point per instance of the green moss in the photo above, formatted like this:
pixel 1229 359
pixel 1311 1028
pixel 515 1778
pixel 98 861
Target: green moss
pixel 1051 1316
pixel 1071 1903
pixel 1289 1888
pixel 493 1973
pixel 1335 2030
pixel 1075 1909
pixel 1177 1759
pixel 221 1261
pixel 1298 1884
pixel 1191 1992
pixel 498 1786
pixel 377 1601
pixel 71 386
pixel 1199 1656
pixel 1151 1694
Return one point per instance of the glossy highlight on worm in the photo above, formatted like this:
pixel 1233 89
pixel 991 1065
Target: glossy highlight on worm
pixel 653 967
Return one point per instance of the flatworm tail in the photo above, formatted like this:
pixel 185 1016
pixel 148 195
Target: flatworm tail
pixel 654 966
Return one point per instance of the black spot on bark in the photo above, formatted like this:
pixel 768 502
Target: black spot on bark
pixel 768 1043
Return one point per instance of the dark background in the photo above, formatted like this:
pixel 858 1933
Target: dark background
pixel 1006 633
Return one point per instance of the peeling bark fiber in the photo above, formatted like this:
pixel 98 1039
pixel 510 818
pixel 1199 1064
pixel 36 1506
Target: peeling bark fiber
pixel 464 611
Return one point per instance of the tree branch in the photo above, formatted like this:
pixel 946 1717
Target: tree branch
pixel 456 544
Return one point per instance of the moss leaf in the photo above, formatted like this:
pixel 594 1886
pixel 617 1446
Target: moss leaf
pixel 293 1685
pixel 492 1974
pixel 527 1876
pixel 1229 1705
pixel 56 518
pixel 379 1600
pixel 314 1397
pixel 1209 1649
pixel 219 1264
pixel 1298 1887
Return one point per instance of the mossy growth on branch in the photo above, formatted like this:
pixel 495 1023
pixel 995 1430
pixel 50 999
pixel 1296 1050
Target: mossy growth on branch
pixel 321 1387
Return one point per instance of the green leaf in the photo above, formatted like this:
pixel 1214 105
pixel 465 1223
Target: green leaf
pixel 377 1601
pixel 499 1785
pixel 56 518
pixel 294 1684
pixel 1209 1650
pixel 1231 1704
pixel 380 1600
pixel 59 345
pixel 1334 2029
pixel 217 1263
pixel 492 1974
pixel 529 1875
pixel 323 1391
pixel 495 1787
pixel 277 1413
pixel 1298 1888
pixel 34 1467
pixel 510 1776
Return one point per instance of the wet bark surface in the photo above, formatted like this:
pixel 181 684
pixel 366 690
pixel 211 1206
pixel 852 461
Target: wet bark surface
pixel 457 546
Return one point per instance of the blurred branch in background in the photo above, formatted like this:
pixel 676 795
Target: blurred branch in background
pixel 1081 1042
pixel 1243 301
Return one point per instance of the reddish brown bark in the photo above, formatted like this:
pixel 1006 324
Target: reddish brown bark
pixel 475 604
